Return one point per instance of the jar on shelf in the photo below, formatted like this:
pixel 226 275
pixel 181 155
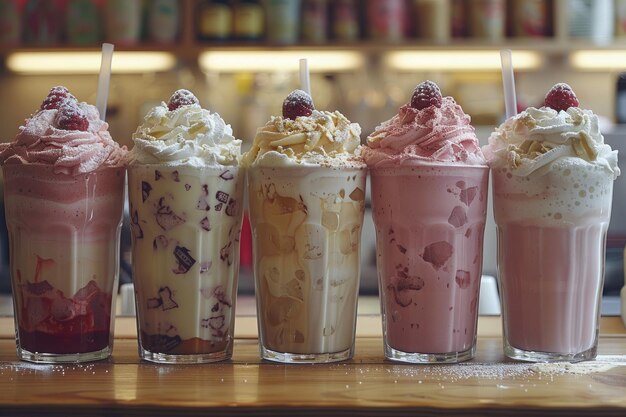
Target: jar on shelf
pixel 10 22
pixel 531 18
pixel 283 21
pixel 215 20
pixel 591 20
pixel 432 20
pixel 386 20
pixel 82 22
pixel 163 21
pixel 249 20
pixel 487 19
pixel 122 21
pixel 620 18
pixel 314 20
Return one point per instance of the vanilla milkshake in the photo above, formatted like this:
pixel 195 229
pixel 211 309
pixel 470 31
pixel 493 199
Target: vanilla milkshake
pixel 64 191
pixel 429 202
pixel 186 199
pixel 553 186
pixel 306 190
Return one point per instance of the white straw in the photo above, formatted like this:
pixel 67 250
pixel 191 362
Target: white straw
pixel 104 80
pixel 508 82
pixel 305 79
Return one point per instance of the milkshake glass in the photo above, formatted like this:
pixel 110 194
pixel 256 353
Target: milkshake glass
pixel 552 187
pixel 306 190
pixel 64 194
pixel 186 199
pixel 428 242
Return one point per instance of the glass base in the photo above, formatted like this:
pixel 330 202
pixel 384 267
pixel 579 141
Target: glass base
pixel 425 358
pixel 283 357
pixel 532 356
pixel 184 359
pixel 39 357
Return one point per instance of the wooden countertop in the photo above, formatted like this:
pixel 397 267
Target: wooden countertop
pixel 365 386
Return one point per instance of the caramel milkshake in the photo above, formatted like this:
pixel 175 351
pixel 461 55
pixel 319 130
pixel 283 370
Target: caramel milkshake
pixel 306 189
pixel 186 198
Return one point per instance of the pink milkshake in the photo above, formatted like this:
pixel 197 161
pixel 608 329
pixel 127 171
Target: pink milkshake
pixel 64 190
pixel 429 199
pixel 553 186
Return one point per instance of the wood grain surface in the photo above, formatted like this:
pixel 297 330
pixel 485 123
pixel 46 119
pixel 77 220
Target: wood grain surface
pixel 365 386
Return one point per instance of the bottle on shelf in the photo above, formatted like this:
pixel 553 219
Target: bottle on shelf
pixel 314 21
pixel 345 20
pixel 215 20
pixel 163 21
pixel 458 18
pixel 283 21
pixel 620 18
pixel 620 99
pixel 591 20
pixel 249 22
pixel 82 22
pixel 42 22
pixel 10 22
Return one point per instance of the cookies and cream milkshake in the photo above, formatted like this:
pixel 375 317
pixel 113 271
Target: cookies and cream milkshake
pixel 553 186
pixel 63 195
pixel 306 190
pixel 429 202
pixel 186 199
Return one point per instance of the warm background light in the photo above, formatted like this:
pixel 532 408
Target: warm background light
pixel 257 61
pixel 458 60
pixel 598 60
pixel 88 62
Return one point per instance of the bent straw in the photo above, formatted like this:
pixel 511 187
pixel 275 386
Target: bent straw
pixel 508 82
pixel 104 80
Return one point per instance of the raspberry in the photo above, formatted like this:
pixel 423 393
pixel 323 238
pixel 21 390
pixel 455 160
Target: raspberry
pixel 71 117
pixel 426 94
pixel 181 98
pixel 561 97
pixel 56 97
pixel 298 103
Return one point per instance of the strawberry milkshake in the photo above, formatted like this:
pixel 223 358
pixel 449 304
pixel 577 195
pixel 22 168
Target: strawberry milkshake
pixel 186 198
pixel 64 191
pixel 306 190
pixel 429 202
pixel 553 186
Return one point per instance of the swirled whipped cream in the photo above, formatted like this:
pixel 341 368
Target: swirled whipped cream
pixel 537 138
pixel 305 136
pixel 437 133
pixel 184 134
pixel 66 134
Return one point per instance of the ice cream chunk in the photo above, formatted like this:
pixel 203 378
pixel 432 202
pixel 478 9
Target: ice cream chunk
pixel 187 134
pixel 68 135
pixel 538 138
pixel 322 138
pixel 438 133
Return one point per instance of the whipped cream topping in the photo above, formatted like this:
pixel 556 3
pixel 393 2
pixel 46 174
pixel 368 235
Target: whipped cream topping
pixel 188 135
pixel 71 152
pixel 323 138
pixel 430 135
pixel 535 139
